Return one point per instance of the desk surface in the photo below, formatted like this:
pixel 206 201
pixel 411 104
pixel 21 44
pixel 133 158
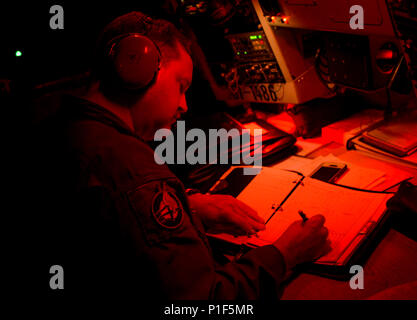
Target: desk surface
pixel 393 263
pixel 358 158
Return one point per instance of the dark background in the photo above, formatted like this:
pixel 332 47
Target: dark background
pixel 47 55
pixel 52 54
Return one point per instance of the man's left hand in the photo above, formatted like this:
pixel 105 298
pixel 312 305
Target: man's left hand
pixel 224 213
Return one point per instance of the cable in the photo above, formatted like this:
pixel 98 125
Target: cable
pixel 232 79
pixel 320 72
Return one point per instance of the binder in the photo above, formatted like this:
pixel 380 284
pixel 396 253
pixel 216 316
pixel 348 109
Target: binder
pixel 397 137
pixel 353 216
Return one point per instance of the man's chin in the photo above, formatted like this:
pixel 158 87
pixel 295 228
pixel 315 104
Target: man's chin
pixel 172 125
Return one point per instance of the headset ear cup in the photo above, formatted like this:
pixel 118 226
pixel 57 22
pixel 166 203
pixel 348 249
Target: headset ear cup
pixel 136 61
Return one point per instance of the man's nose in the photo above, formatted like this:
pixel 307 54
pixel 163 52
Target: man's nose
pixel 183 104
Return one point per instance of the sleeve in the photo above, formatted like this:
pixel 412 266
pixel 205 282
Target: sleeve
pixel 404 198
pixel 168 237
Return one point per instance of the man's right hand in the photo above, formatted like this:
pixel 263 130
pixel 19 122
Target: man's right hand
pixel 304 241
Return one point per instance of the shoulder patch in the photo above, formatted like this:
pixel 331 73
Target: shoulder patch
pixel 160 211
pixel 167 209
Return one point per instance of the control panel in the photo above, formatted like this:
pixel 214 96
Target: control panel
pixel 250 46
pixel 254 73
pixel 254 59
pixel 247 56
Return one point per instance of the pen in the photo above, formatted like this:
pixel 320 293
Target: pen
pixel 302 215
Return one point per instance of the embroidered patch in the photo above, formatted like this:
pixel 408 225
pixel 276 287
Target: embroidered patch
pixel 167 209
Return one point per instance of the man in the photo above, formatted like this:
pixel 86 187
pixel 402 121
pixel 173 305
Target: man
pixel 120 220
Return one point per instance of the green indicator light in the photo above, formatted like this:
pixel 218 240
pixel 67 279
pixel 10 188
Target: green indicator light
pixel 18 53
pixel 252 37
pixel 245 52
pixel 260 37
pixel 238 53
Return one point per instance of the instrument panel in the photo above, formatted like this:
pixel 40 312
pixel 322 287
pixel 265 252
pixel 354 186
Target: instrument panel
pixel 294 51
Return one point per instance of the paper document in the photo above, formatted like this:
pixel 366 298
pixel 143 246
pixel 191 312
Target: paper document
pixel 277 195
pixel 346 211
pixel 356 176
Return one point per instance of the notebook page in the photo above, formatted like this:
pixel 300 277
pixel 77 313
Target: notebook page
pixel 268 189
pixel 264 193
pixel 346 211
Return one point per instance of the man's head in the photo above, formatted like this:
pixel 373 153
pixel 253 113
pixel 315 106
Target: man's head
pixel 159 103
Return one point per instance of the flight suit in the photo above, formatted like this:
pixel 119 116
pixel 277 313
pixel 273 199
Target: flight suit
pixel 135 212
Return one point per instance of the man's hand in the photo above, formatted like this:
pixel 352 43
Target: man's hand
pixel 304 241
pixel 223 213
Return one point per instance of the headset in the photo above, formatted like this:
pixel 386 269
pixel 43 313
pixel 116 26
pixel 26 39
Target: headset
pixel 132 61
